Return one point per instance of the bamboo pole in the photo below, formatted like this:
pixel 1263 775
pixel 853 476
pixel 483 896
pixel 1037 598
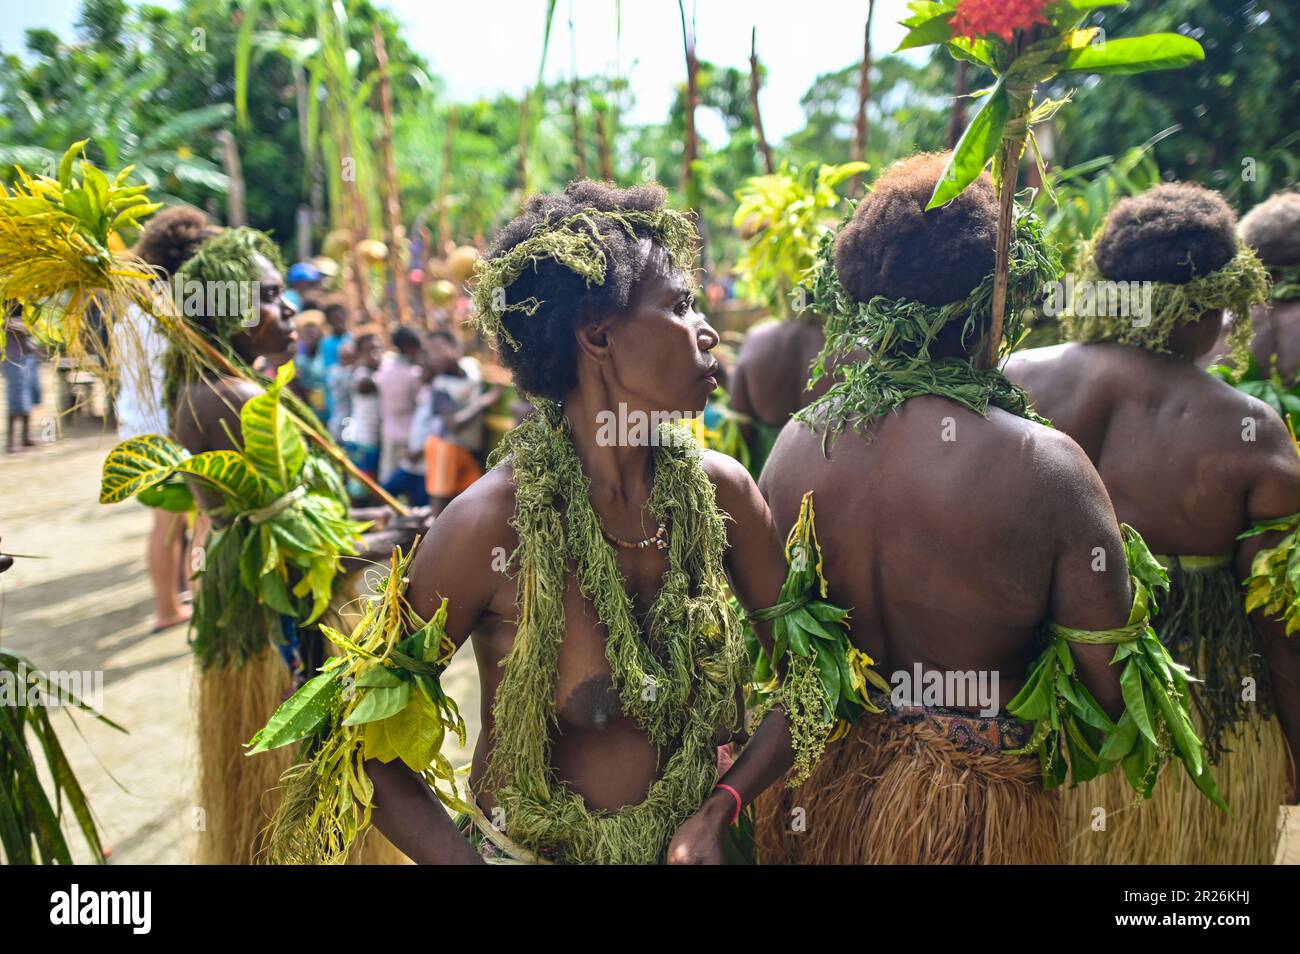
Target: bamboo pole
pixel 763 147
pixel 392 201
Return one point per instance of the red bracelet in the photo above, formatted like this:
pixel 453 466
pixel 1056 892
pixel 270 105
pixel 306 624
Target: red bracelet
pixel 734 794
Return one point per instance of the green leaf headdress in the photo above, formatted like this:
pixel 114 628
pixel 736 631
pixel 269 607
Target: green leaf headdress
pixel 227 261
pixel 1235 287
pixel 574 242
pixel 898 333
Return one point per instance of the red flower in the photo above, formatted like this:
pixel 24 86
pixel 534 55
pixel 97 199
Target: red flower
pixel 977 18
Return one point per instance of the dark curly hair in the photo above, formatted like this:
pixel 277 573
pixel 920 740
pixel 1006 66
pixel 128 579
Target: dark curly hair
pixel 171 237
pixel 1171 233
pixel 894 248
pixel 1272 229
pixel 546 361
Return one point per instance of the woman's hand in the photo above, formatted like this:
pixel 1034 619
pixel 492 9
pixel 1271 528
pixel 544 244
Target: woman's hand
pixel 699 840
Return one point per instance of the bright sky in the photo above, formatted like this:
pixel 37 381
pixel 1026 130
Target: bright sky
pixel 483 47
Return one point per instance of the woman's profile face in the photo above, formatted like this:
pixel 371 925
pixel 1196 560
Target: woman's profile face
pixel 660 347
pixel 273 334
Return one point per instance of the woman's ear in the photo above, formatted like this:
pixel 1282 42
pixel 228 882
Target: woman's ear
pixel 594 339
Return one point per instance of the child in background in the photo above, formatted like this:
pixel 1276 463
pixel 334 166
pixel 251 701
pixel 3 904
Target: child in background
pixel 399 382
pixel 407 479
pixel 309 369
pixel 331 348
pixel 338 389
pixel 455 438
pixel 360 430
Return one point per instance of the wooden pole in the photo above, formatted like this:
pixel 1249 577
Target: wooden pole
pixel 602 143
pixel 392 203
pixel 579 150
pixel 691 152
pixel 861 128
pixel 444 185
pixel 1009 161
pixel 764 149
pixel 235 214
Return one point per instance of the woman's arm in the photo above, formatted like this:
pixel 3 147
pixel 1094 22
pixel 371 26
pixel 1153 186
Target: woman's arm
pixel 455 560
pixel 755 561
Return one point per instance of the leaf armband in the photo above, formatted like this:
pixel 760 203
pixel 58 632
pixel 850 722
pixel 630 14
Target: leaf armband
pixel 1274 582
pixel 1073 735
pixel 380 699
pixel 813 673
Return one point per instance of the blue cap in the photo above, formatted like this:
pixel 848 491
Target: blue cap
pixel 304 272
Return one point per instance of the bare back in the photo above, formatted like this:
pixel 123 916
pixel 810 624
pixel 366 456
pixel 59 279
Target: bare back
pixel 1180 451
pixel 771 375
pixel 954 537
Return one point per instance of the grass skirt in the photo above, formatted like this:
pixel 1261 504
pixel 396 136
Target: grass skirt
pixel 894 792
pixel 237 793
pixel 1204 624
pixel 1179 826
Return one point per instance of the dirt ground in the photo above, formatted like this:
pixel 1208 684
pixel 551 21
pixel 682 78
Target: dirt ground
pixel 87 606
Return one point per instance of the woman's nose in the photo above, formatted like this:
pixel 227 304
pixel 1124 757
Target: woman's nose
pixel 706 336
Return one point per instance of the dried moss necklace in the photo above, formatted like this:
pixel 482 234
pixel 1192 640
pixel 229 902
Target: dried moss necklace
pixel 679 696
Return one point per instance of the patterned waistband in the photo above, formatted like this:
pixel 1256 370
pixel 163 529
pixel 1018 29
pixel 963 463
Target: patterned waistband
pixel 965 731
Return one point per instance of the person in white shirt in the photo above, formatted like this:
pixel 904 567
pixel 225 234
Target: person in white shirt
pixel 167 242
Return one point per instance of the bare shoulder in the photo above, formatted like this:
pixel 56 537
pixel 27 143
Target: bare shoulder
pixel 761 339
pixel 465 555
pixel 1056 470
pixel 203 407
pixel 483 512
pixel 736 490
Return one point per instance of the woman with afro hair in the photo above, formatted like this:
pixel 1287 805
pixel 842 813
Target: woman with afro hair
pixel 955 524
pixel 1194 465
pixel 589 567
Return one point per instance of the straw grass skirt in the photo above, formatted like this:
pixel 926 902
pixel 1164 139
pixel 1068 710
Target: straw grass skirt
pixel 1178 825
pixel 892 792
pixel 237 793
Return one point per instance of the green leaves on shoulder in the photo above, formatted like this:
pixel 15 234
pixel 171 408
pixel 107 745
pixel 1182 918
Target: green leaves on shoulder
pixel 273 446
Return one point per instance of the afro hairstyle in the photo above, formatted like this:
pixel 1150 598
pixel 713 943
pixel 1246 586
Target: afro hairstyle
pixel 1272 229
pixel 171 237
pixel 1171 233
pixel 545 363
pixel 894 248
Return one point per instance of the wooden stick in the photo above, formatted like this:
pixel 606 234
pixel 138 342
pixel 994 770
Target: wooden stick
pixel 1010 165
pixel 861 128
pixel 763 147
pixel 392 200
